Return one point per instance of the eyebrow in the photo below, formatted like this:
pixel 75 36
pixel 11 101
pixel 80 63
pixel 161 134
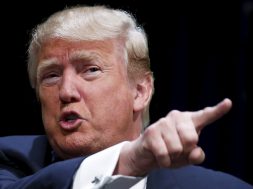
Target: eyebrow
pixel 45 64
pixel 84 55
pixel 75 56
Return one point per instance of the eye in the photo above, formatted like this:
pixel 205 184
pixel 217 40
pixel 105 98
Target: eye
pixel 93 69
pixel 50 78
pixel 91 72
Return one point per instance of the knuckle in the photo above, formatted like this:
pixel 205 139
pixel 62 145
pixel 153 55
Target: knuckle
pixel 150 131
pixel 174 113
pixel 207 109
pixel 164 162
pixel 190 143
pixel 162 155
pixel 192 140
pixel 176 150
pixel 162 121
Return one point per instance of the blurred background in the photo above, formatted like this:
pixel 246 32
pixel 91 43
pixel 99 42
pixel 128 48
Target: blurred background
pixel 200 53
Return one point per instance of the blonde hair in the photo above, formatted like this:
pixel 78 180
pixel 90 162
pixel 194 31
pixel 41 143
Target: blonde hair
pixel 94 23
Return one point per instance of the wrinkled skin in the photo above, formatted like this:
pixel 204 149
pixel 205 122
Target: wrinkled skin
pixel 170 142
pixel 88 104
pixel 87 101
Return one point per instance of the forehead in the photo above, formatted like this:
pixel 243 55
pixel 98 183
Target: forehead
pixel 59 47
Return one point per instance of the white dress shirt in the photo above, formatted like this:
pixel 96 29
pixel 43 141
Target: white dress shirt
pixel 95 172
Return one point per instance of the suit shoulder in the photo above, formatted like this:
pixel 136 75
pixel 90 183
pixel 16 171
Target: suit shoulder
pixel 31 150
pixel 21 142
pixel 21 138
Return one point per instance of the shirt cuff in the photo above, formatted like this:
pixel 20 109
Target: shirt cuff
pixel 96 170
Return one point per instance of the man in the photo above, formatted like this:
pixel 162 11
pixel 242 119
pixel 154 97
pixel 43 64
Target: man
pixel 90 69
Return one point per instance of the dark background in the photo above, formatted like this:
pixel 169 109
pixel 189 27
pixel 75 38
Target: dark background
pixel 200 53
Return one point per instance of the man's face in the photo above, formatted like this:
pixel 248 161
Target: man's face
pixel 86 97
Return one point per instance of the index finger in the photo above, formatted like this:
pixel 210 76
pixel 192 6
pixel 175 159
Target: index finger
pixel 208 115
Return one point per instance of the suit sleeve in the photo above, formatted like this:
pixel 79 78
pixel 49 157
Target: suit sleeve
pixel 58 175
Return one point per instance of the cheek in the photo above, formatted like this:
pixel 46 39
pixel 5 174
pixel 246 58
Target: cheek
pixel 48 97
pixel 49 104
pixel 114 109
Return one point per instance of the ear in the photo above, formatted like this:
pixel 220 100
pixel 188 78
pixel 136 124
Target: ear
pixel 143 92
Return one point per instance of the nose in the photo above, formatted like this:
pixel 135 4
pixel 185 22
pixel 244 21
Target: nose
pixel 68 89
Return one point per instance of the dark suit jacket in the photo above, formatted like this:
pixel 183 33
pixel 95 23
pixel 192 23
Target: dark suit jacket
pixel 28 162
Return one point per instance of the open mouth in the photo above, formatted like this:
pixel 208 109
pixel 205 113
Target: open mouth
pixel 70 117
pixel 70 120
